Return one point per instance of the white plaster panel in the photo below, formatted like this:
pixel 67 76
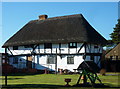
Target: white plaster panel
pixel 79 46
pixel 54 46
pixel 72 50
pixel 63 64
pixel 42 48
pixel 47 50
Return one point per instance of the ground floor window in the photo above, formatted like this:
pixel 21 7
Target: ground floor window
pixel 111 57
pixel 70 60
pixel 92 57
pixel 15 60
pixel 51 59
pixel 116 57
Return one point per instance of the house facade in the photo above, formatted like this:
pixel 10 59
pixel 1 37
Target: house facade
pixel 114 54
pixel 112 59
pixel 55 43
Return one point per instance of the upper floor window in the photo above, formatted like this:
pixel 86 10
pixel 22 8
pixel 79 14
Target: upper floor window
pixel 47 45
pixel 73 45
pixel 27 46
pixel 15 47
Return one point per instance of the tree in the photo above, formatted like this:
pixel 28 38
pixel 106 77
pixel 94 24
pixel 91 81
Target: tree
pixel 109 46
pixel 116 33
pixel 110 43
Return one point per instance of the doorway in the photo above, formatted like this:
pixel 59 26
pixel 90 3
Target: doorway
pixel 29 62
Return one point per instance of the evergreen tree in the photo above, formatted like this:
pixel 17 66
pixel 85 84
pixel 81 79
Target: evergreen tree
pixel 116 33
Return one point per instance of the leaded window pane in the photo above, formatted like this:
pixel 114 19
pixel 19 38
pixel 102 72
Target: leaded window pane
pixel 51 59
pixel 70 60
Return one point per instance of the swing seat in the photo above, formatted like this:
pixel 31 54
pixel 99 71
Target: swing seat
pixel 89 70
pixel 89 66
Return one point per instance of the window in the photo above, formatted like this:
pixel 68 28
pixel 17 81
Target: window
pixel 96 46
pixel 116 57
pixel 15 47
pixel 15 60
pixel 47 45
pixel 70 60
pixel 111 57
pixel 3 61
pixel 72 45
pixel 27 46
pixel 92 57
pixel 51 59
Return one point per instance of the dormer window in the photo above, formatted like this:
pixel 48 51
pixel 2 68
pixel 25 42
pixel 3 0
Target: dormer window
pixel 73 45
pixel 47 45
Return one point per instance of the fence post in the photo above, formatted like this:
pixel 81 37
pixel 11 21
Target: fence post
pixel 6 57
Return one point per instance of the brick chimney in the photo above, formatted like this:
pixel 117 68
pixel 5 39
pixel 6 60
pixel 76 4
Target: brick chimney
pixel 43 17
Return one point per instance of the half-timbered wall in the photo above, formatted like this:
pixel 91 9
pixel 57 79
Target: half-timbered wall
pixel 64 49
pixel 40 55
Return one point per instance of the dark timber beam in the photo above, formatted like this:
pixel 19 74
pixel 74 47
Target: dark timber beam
pixel 33 53
pixel 87 54
pixel 88 48
pixel 39 48
pixel 81 47
pixel 10 50
pixel 59 48
pixel 34 48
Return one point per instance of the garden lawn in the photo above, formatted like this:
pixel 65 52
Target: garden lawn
pixel 52 80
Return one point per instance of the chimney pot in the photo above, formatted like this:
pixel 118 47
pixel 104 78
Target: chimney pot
pixel 43 17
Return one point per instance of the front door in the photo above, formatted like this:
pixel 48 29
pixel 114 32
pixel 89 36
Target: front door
pixel 29 62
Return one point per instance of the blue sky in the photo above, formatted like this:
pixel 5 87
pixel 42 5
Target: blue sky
pixel 101 15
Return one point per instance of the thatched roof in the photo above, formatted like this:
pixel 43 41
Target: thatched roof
pixel 64 29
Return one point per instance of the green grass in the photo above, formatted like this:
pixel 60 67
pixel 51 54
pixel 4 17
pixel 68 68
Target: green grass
pixel 52 80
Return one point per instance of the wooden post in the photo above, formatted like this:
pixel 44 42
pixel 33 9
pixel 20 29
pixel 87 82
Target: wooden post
pixel 84 80
pixel 84 76
pixel 79 78
pixel 56 62
pixel 34 61
pixel 6 66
